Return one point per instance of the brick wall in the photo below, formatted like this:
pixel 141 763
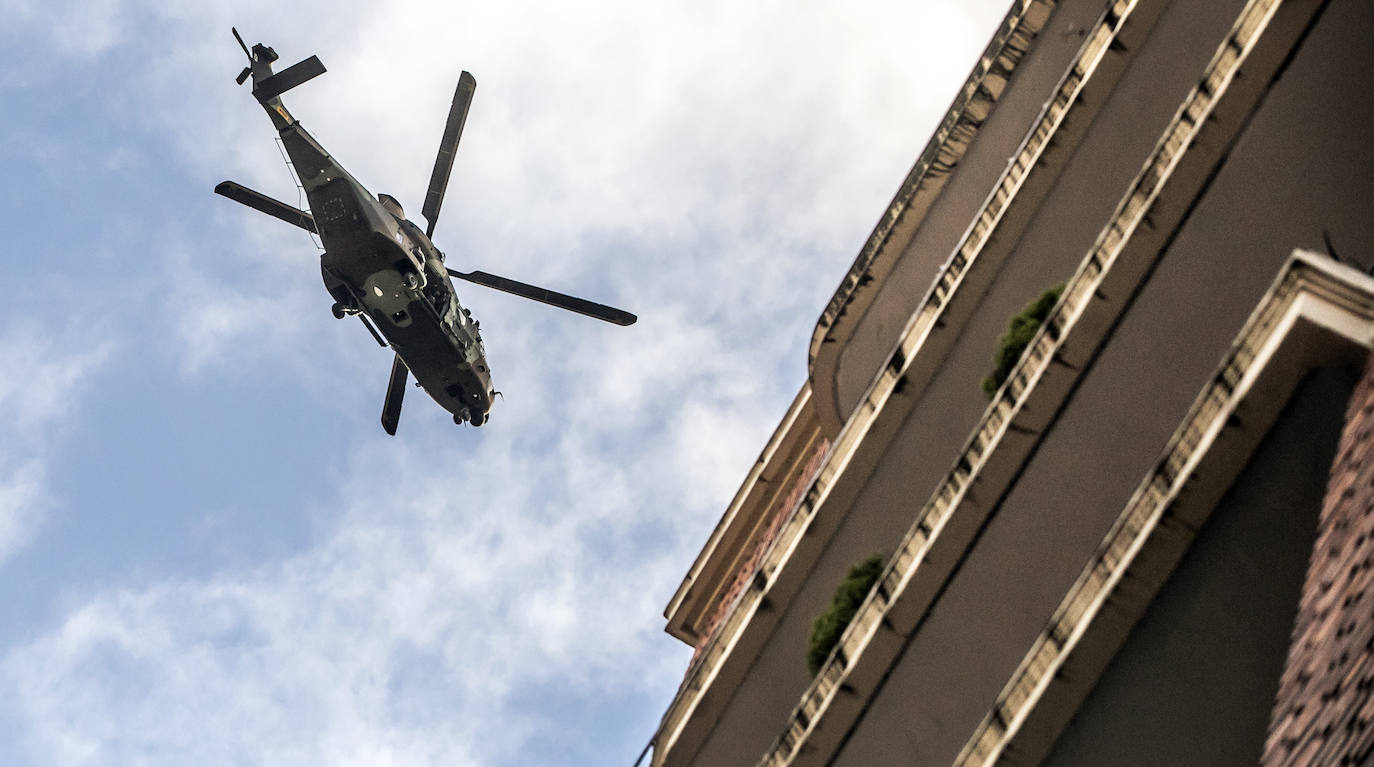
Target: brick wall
pixel 773 520
pixel 1325 704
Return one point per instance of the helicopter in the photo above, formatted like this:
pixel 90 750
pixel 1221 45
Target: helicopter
pixel 381 267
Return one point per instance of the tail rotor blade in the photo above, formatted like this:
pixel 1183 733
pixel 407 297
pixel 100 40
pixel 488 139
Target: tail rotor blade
pixel 242 45
pixel 395 393
pixel 552 298
pixel 443 162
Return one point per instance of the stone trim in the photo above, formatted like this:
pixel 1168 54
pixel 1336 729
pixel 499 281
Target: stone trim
pixel 1315 314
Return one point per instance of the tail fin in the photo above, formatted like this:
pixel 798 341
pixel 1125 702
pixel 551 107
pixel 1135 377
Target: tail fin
pixel 266 85
pixel 271 87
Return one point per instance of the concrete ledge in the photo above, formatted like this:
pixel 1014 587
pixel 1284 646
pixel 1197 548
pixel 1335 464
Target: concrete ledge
pixel 1318 313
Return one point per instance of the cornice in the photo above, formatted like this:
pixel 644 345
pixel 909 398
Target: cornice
pixel 918 191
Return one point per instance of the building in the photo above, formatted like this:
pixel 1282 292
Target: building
pixel 1153 544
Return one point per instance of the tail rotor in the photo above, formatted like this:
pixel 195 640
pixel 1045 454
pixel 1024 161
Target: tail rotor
pixel 248 70
pixel 266 84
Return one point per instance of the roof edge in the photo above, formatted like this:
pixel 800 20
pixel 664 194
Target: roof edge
pixel 923 184
pixel 676 612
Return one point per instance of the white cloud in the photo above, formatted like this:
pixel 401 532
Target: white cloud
pixel 43 371
pixel 408 636
pixel 218 319
pixel 23 495
pixel 44 375
pixel 89 27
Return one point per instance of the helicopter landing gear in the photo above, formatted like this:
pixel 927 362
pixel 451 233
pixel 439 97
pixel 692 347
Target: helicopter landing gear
pixel 467 416
pixel 412 280
pixel 338 310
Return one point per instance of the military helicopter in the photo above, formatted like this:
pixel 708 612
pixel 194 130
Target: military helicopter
pixel 381 267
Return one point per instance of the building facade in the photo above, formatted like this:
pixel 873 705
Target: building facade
pixel 1152 545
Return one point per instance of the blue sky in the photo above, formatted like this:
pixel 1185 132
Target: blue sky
pixel 210 552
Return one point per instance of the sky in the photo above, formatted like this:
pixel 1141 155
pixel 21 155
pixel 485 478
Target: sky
pixel 211 554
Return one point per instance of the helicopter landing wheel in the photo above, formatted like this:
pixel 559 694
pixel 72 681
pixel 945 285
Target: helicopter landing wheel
pixel 477 419
pixel 460 417
pixel 412 280
pixel 338 310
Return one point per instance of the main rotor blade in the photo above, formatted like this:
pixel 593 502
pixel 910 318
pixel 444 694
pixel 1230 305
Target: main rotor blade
pixel 395 393
pixel 546 296
pixel 371 329
pixel 443 162
pixel 261 202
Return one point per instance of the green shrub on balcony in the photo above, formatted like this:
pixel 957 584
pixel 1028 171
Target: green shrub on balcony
pixel 829 625
pixel 1019 334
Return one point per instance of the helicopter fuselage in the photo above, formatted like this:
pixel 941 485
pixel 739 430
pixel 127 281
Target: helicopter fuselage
pixel 378 263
